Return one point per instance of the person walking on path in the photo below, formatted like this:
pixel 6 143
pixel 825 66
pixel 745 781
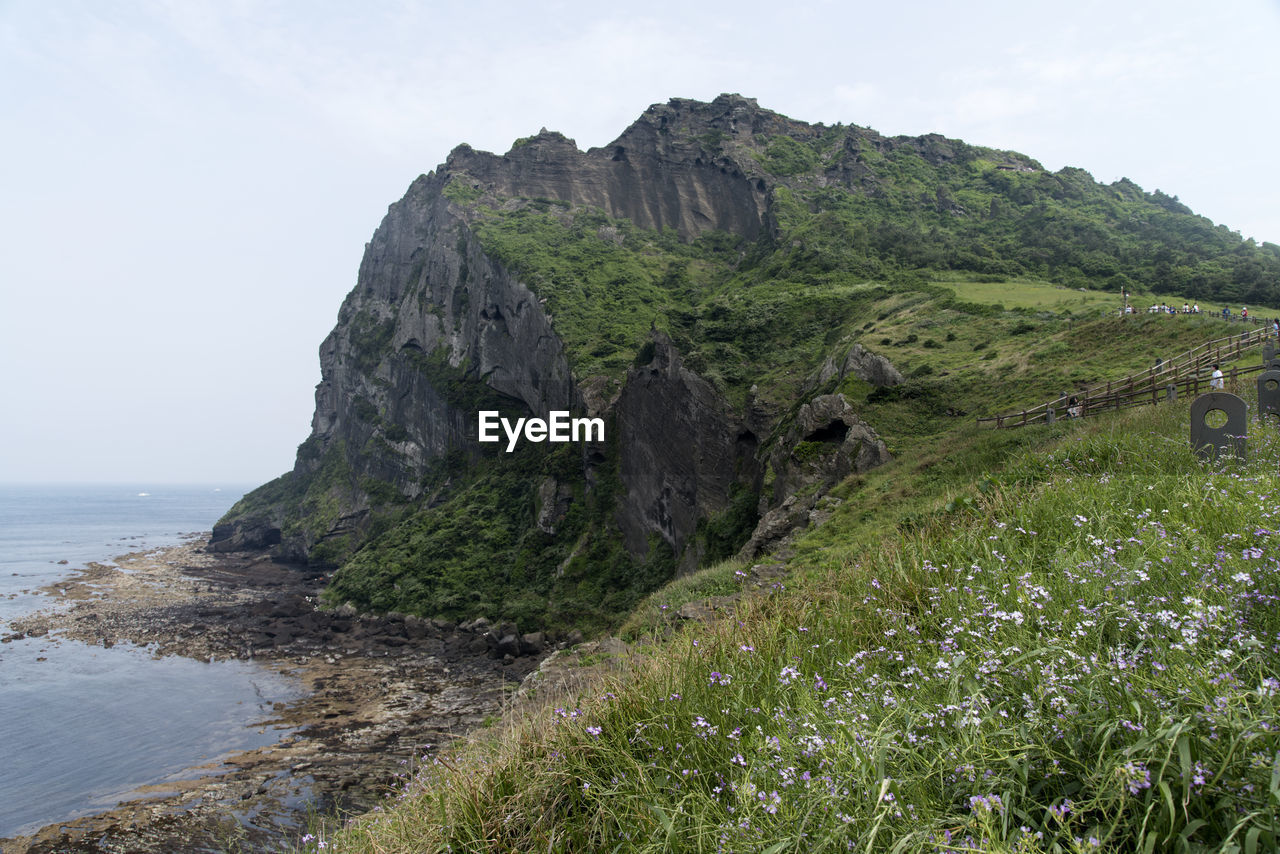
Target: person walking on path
pixel 1215 379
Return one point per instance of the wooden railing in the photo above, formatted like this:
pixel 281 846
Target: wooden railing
pixel 1187 375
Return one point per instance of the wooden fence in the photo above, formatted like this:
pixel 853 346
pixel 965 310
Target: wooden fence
pixel 1188 374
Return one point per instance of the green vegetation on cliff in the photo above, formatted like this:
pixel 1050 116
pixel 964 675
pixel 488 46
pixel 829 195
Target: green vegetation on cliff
pixel 607 283
pixel 945 205
pixel 475 549
pixel 481 551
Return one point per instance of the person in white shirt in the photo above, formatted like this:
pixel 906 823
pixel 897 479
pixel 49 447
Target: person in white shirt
pixel 1215 379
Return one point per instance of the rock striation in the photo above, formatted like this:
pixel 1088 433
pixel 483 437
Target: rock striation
pixel 682 451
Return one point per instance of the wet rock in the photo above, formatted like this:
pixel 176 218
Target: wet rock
pixel 508 645
pixel 417 628
pixel 477 626
pixel 248 533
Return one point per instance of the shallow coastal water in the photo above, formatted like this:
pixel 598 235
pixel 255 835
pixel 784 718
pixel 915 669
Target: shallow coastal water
pixel 84 725
pixel 46 532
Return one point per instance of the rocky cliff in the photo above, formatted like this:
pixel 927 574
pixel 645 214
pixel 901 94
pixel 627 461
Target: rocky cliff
pixel 626 282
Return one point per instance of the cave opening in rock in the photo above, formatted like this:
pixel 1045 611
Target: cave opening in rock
pixel 835 433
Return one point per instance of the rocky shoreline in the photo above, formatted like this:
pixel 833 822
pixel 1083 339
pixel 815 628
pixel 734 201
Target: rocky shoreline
pixel 382 693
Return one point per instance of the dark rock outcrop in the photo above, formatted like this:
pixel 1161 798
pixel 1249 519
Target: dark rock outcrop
pixel 857 361
pixel 682 451
pixel 258 531
pixel 651 175
pixel 826 443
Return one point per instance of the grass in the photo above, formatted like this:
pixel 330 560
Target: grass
pixel 1012 293
pixel 1031 294
pixel 656 614
pixel 1081 656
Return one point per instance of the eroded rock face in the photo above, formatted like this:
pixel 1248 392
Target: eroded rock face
pixel 554 499
pixel 826 443
pixel 681 451
pixel 259 531
pixel 429 307
pixel 871 367
pixel 649 175
pixel 427 293
pixel 860 362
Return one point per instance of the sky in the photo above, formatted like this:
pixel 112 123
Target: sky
pixel 187 186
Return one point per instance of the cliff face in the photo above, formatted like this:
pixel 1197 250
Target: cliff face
pixel 438 328
pixel 682 452
pixel 432 330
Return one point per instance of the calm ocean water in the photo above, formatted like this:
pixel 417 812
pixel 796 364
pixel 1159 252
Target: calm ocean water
pixel 82 726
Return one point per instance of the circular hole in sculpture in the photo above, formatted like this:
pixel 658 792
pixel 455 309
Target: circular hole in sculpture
pixel 1215 419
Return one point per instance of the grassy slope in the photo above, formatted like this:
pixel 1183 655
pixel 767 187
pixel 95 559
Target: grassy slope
pixel 998 647
pixel 1060 299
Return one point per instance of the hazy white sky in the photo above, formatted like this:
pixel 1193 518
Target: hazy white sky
pixel 186 186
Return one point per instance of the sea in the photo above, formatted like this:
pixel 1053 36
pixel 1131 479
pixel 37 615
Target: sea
pixel 82 727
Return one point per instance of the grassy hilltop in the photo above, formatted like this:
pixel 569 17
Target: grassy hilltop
pixel 1058 639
